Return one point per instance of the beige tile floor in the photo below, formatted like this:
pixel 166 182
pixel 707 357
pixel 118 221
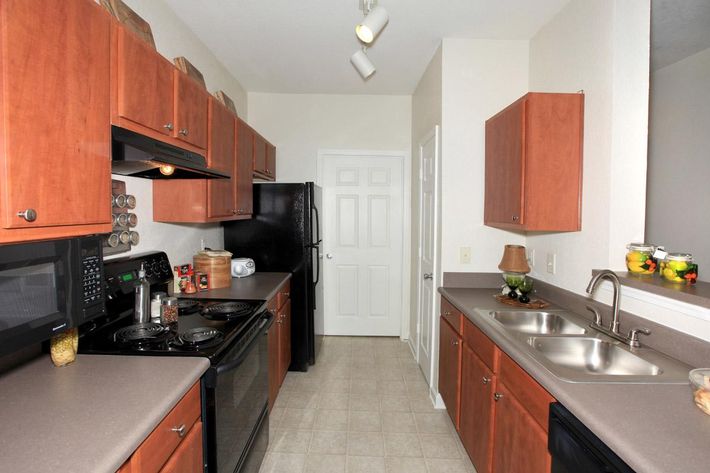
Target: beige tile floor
pixel 363 408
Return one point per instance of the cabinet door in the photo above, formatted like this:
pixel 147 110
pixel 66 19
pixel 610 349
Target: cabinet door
pixel 476 418
pixel 145 84
pixel 244 169
pixel 285 345
pixel 221 155
pixel 54 100
pixel 271 161
pixel 259 154
pixel 273 340
pixel 504 166
pixel 190 111
pixel 520 444
pixel 450 369
pixel 187 458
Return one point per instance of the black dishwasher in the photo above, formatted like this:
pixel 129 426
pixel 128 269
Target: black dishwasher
pixel 575 449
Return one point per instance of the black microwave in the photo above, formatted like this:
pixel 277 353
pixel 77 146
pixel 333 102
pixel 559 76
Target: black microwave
pixel 47 287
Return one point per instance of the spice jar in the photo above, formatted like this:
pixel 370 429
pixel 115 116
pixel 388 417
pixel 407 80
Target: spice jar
pixel 155 303
pixel 679 267
pixel 169 310
pixel 639 258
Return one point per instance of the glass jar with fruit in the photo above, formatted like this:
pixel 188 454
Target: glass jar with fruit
pixel 639 258
pixel 679 267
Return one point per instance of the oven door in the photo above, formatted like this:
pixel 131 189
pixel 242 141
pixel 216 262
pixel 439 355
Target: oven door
pixel 236 394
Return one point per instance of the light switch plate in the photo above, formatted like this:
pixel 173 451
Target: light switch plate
pixel 465 254
pixel 551 263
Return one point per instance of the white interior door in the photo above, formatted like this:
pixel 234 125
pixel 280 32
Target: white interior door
pixel 428 255
pixel 363 244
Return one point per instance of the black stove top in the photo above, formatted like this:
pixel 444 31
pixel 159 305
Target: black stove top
pixel 192 335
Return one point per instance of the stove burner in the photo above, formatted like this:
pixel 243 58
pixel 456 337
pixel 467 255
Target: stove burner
pixel 227 310
pixel 187 306
pixel 198 338
pixel 147 332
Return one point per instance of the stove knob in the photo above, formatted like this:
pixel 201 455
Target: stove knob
pixel 165 267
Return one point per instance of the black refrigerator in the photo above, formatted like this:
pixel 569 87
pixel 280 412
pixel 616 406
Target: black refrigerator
pixel 284 235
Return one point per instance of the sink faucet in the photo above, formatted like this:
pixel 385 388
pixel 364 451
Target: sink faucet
pixel 591 287
pixel 613 331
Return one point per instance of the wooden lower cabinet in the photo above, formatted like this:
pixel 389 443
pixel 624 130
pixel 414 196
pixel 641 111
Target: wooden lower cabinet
pixel 279 340
pixel 520 444
pixel 450 369
pixel 501 410
pixel 476 414
pixel 175 445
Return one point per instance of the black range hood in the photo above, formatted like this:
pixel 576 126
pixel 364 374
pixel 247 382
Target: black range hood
pixel 137 155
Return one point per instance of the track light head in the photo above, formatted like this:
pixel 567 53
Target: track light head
pixel 362 63
pixel 371 26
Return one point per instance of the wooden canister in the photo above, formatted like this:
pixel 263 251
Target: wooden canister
pixel 217 265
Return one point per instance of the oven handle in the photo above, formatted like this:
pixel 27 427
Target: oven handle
pixel 266 320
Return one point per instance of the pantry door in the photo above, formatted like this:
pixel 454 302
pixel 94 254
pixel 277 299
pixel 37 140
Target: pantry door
pixel 363 198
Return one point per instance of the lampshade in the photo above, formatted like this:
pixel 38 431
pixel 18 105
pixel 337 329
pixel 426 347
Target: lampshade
pixel 514 259
pixel 362 63
pixel 371 26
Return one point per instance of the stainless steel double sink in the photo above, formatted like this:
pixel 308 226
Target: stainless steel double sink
pixel 569 348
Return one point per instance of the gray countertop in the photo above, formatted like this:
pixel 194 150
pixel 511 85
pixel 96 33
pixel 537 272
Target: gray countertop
pixel 88 416
pixel 655 428
pixel 261 286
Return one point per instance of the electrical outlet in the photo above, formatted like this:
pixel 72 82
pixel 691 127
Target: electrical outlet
pixel 531 257
pixel 465 254
pixel 551 263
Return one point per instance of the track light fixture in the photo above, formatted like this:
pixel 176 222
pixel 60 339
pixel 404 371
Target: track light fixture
pixel 362 63
pixel 376 18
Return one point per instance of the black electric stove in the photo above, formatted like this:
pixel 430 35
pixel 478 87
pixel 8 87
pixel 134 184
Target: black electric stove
pixel 232 334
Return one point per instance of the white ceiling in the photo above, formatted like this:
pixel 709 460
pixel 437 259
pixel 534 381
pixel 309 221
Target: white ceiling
pixel 291 46
pixel 679 28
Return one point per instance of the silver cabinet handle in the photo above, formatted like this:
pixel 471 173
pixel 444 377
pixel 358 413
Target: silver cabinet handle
pixel 515 218
pixel 454 342
pixel 168 126
pixel 447 313
pixel 497 396
pixel 486 380
pixel 29 215
pixel 179 430
pixel 183 131
pixel 428 276
pixel 329 256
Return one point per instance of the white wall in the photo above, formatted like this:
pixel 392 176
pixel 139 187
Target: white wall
pixel 301 124
pixel 678 190
pixel 172 39
pixel 426 114
pixel 480 77
pixel 601 47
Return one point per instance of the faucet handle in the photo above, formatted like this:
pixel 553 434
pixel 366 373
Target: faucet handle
pixel 597 315
pixel 633 337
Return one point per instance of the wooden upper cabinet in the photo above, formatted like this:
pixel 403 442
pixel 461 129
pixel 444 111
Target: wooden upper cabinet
pixel 270 161
pixel 244 170
pixel 450 369
pixel 190 110
pixel 54 119
pixel 533 172
pixel 144 81
pixel 221 155
pixel 259 154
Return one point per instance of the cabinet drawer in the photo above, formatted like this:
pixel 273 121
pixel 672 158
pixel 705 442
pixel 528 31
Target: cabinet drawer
pixel 162 442
pixel 452 315
pixel 483 346
pixel 284 293
pixel 531 395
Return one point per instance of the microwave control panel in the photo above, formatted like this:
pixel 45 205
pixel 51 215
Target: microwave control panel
pixel 91 300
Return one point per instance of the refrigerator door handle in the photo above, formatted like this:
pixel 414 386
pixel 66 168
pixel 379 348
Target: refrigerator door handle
pixel 315 211
pixel 317 250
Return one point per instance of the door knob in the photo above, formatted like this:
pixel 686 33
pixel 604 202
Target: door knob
pixel 329 256
pixel 428 276
pixel 497 396
pixel 168 126
pixel 29 215
pixel 486 380
pixel 183 131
